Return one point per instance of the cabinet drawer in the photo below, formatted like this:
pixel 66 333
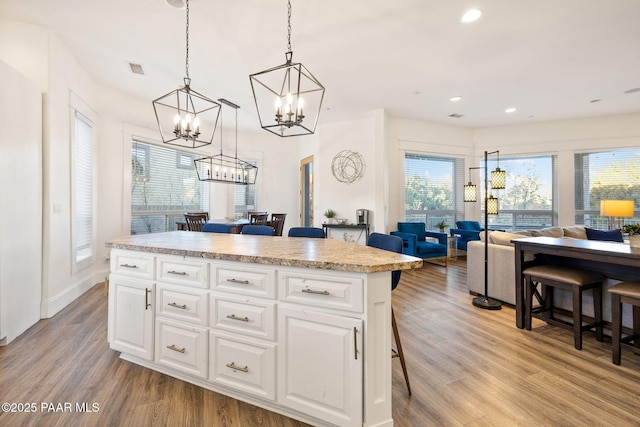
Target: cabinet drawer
pixel 244 315
pixel 133 264
pixel 244 364
pixel 245 280
pixel 182 347
pixel 183 271
pixel 180 303
pixel 339 292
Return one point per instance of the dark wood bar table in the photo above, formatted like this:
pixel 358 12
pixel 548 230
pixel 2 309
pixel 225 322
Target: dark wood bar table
pixel 613 260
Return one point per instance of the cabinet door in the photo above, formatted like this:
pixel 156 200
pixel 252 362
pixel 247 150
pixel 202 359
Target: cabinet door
pixel 320 365
pixel 131 316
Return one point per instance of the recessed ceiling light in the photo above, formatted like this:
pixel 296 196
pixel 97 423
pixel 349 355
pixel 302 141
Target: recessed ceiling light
pixel 510 110
pixel 634 90
pixel 470 15
pixel 455 98
pixel 178 4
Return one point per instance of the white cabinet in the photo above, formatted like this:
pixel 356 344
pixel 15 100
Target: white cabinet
pixel 308 343
pixel 182 347
pixel 320 364
pixel 245 364
pixel 131 316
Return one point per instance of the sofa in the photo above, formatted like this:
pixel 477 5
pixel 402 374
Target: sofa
pixel 501 266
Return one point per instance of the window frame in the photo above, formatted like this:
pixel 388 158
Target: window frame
pixel 85 257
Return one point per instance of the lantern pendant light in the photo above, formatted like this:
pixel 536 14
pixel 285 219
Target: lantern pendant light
pixel 288 97
pixel 186 117
pixel 223 168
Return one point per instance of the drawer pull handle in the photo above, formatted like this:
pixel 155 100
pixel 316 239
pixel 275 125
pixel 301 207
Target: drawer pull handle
pixel 147 304
pixel 174 348
pixel 311 291
pixel 242 282
pixel 179 273
pixel 232 365
pixel 234 317
pixel 128 265
pixel 176 305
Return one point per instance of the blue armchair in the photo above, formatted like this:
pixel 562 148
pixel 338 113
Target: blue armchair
pixel 465 232
pixel 414 242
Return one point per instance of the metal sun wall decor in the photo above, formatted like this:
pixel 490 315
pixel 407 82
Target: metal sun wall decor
pixel 348 166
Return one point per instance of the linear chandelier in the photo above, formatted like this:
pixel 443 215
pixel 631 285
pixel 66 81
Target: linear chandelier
pixel 186 117
pixel 223 168
pixel 288 97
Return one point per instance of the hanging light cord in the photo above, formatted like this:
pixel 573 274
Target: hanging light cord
pixel 236 136
pixel 289 26
pixel 187 38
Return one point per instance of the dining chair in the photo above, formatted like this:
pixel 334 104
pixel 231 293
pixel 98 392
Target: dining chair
pixel 393 244
pixel 259 219
pixel 200 213
pixel 212 227
pixel 257 230
pixel 313 232
pixel 195 221
pixel 277 222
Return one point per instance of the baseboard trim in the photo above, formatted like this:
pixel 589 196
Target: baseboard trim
pixel 53 305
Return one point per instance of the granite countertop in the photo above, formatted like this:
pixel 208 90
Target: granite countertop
pixel 328 254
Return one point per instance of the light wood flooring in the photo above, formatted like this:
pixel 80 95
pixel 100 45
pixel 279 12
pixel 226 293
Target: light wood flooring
pixel 467 367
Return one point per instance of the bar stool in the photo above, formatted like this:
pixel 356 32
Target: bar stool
pixel 571 279
pixel 628 293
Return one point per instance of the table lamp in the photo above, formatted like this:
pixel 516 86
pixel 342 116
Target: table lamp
pixel 616 209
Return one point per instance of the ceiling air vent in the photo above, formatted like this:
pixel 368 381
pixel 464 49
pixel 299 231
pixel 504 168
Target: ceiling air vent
pixel 456 115
pixel 136 68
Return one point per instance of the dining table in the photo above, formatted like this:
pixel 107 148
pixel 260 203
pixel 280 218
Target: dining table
pixel 235 225
pixel 613 260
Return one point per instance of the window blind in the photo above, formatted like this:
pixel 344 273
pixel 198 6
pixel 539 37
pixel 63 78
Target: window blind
pixel 164 186
pixel 83 185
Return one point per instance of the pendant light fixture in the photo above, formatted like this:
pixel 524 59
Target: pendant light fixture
pixel 185 117
pixel 288 97
pixel 226 169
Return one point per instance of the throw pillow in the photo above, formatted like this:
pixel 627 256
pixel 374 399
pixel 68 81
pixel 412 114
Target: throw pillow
pixel 547 232
pixel 604 235
pixel 576 232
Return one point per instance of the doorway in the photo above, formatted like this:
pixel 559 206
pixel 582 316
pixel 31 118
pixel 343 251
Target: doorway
pixel 306 192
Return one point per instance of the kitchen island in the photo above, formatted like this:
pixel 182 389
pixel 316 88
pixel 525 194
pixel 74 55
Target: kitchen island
pixel 298 326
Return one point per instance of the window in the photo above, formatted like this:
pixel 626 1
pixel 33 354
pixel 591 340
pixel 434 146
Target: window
pixel 433 189
pixel 529 198
pixel 607 175
pixel 164 186
pixel 82 199
pixel 244 198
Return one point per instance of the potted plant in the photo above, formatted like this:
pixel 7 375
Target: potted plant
pixel 330 214
pixel 441 225
pixel 633 230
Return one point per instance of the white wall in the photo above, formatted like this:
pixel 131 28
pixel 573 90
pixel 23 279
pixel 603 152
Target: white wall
pixel 421 137
pixel 345 199
pixel 563 138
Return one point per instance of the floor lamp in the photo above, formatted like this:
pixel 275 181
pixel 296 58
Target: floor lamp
pixel 498 179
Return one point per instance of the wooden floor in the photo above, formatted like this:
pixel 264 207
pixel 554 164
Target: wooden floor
pixel 467 367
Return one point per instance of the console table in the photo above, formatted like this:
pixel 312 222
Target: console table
pixel 364 227
pixel 613 260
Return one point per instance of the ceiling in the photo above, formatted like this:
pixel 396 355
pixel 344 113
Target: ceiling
pixel 549 59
